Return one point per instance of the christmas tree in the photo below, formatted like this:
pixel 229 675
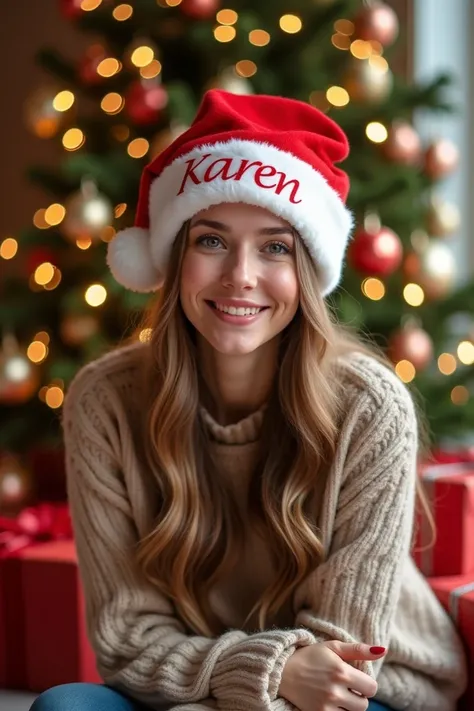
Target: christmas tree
pixel 136 89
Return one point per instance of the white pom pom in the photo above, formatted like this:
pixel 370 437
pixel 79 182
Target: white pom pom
pixel 129 259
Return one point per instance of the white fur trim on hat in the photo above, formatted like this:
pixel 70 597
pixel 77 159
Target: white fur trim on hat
pixel 301 195
pixel 129 260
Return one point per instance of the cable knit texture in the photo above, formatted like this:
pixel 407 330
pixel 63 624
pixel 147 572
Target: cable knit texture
pixel 368 589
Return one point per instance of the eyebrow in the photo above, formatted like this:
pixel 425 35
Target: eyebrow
pixel 225 228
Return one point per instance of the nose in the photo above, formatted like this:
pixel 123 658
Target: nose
pixel 240 270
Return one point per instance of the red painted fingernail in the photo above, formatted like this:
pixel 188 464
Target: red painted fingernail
pixel 377 650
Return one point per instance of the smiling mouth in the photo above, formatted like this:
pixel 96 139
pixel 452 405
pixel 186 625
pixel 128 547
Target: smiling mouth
pixel 237 310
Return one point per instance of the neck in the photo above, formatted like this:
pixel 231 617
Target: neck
pixel 236 386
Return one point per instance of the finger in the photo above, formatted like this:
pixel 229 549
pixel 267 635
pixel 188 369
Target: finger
pixel 352 702
pixel 355 651
pixel 361 682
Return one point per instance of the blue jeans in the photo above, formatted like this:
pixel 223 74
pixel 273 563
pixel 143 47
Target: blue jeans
pixel 96 697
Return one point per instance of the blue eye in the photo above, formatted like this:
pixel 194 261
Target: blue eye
pixel 204 240
pixel 286 249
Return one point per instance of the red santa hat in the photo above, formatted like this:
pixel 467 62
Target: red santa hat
pixel 269 151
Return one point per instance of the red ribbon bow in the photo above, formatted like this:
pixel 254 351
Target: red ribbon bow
pixel 35 524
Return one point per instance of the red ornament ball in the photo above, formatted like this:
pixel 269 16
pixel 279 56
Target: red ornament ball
pixel 145 101
pixel 441 158
pixel 200 9
pixel 411 343
pixel 378 22
pixel 87 69
pixel 378 253
pixel 71 9
pixel 403 144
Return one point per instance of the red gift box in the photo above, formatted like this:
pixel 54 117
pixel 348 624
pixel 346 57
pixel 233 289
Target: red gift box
pixel 450 490
pixel 42 627
pixel 56 647
pixel 456 594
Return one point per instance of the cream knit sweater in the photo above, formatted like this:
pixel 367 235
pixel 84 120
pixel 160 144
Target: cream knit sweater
pixel 368 589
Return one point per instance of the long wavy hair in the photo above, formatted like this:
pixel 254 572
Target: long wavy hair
pixel 195 541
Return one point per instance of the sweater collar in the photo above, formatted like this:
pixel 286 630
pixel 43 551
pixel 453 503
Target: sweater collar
pixel 241 432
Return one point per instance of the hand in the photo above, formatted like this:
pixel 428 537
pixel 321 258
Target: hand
pixel 318 678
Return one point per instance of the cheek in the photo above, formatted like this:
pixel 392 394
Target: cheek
pixel 285 286
pixel 194 274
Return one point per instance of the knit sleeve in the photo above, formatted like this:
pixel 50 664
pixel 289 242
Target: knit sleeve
pixel 353 595
pixel 140 644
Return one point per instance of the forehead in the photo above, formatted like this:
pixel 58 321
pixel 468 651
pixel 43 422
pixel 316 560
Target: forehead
pixel 241 214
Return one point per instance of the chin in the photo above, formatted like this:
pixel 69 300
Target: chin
pixel 233 348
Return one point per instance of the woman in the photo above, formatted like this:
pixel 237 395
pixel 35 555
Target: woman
pixel 243 484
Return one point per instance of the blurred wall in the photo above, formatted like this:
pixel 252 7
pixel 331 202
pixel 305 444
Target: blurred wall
pixel 25 27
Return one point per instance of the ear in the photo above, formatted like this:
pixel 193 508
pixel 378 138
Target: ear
pixel 130 261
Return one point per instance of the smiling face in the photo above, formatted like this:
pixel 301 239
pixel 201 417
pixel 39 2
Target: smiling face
pixel 238 284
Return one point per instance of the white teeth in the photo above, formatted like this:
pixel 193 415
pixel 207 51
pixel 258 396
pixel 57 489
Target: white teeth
pixel 237 311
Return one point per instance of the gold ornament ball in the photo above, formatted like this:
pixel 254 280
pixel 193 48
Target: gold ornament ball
pixel 15 484
pixel 19 378
pixel 378 22
pixel 88 212
pixel 77 329
pixel 411 343
pixel 441 158
pixel 432 267
pixel 403 144
pixel 368 80
pixel 442 217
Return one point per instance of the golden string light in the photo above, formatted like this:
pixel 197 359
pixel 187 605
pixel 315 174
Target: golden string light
pixel 138 148
pixel 39 221
pixel 227 17
pixel 142 56
pixel 341 41
pixel 90 5
pixel 44 273
pixel 109 67
pixel 54 214
pixel 246 68
pixel 344 27
pixel 224 33
pixel 37 351
pixel 83 243
pixel 120 209
pixel 152 70
pixel 405 370
pixel 413 294
pixel 112 103
pixel 8 248
pixel 376 132
pixel 465 352
pixel 373 288
pixel 259 38
pixel 73 139
pixel 42 336
pixel 337 96
pixel 459 395
pixel 122 12
pixel 447 363
pixel 63 101
pixel 54 397
pixel 95 295
pixel 290 23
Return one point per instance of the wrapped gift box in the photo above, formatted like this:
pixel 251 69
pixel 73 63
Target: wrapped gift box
pixel 43 639
pixel 456 594
pixel 450 490
pixel 56 647
pixel 12 636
